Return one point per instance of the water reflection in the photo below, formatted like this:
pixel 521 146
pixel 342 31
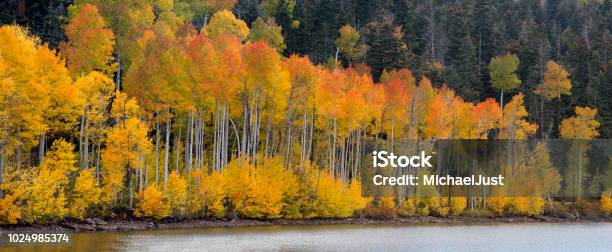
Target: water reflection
pixel 499 237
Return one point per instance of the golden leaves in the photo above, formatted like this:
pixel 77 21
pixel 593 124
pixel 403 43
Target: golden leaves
pixel 556 82
pixel 581 126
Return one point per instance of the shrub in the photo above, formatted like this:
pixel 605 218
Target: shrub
pixel 258 192
pixel 556 209
pixel 151 204
pixel 176 194
pixel 384 208
pixel 45 196
pixel 605 203
pixel 586 208
pixel 496 205
pixel 335 199
pixel 212 191
pixel 85 194
pixel 10 212
pixel 408 209
pixel 457 205
pixel 525 206
pixel 427 205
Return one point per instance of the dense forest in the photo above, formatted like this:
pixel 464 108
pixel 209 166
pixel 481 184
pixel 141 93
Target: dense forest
pixel 261 109
pixel 450 42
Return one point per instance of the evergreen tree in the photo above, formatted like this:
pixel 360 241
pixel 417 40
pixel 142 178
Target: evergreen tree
pixel 460 59
pixel 386 47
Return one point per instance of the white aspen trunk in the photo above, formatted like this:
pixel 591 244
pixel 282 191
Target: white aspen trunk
pixel 236 132
pixel 93 149
pixel 98 154
pixel 357 154
pixel 289 125
pixel 167 148
pixel 329 146
pixel 187 135
pixel 351 156
pixel 288 142
pixel 303 142
pixel 131 187
pixel 257 119
pixel 268 132
pixel 41 148
pixel 191 138
pixel 140 174
pixel 118 74
pixel 178 144
pixel 86 144
pixel 334 147
pixel 309 150
pixel 202 145
pixel 244 125
pixel 215 139
pixel 226 123
pixel 146 167
pixel 223 145
pixel 196 138
pixel 81 139
pixel 251 127
pixel 157 140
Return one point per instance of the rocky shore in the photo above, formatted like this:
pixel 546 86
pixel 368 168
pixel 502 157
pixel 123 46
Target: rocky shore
pixel 97 224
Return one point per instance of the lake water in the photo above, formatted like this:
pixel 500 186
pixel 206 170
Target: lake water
pixel 438 237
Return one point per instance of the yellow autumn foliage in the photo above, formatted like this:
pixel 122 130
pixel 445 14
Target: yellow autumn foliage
pixel 496 205
pixel 257 192
pixel 151 204
pixel 456 206
pixel 45 196
pixel 85 194
pixel 10 212
pixel 335 199
pixel 525 206
pixel 519 206
pixel 176 194
pixel 212 193
pixel 605 203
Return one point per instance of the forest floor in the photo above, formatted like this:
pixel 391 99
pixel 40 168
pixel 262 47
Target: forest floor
pixel 96 224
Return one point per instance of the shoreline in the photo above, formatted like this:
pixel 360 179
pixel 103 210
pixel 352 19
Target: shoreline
pixel 99 225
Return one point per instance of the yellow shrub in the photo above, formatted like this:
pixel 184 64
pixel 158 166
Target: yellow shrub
pixel 426 205
pixel 10 213
pixel 16 183
pixel 258 192
pixel 176 194
pixel 388 202
pixel 457 205
pixel 85 194
pixel 496 205
pixel 212 191
pixel 46 201
pixel 353 195
pixel 409 208
pixel 528 206
pixel 605 204
pixel 151 204
pixel 335 199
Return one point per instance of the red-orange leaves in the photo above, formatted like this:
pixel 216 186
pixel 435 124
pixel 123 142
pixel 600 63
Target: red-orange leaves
pixel 90 43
